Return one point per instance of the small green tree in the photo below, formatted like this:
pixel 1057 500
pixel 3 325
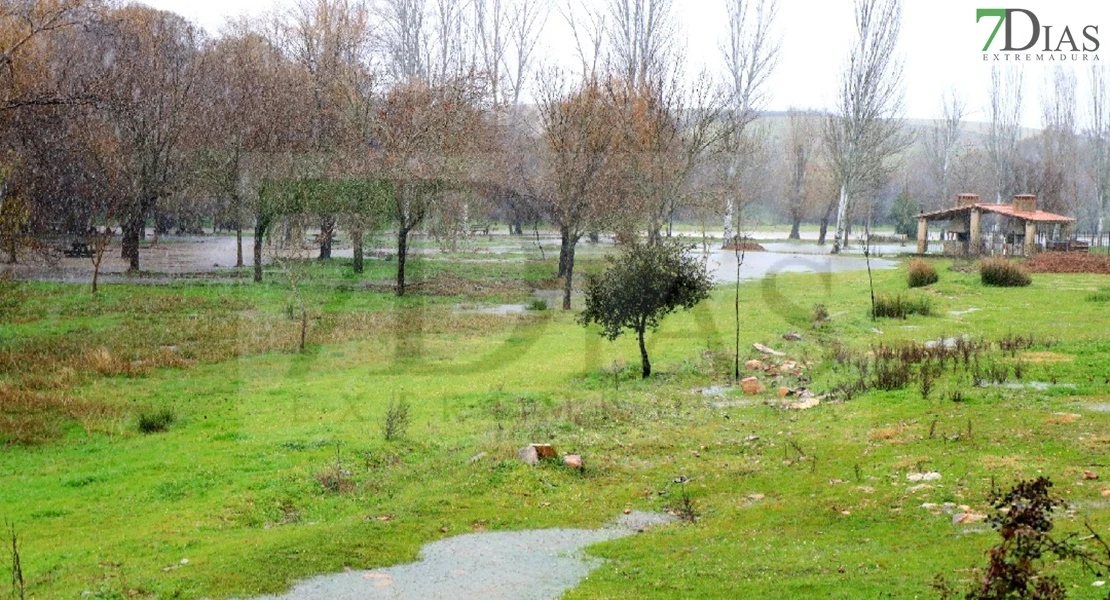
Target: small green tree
pixel 903 213
pixel 641 286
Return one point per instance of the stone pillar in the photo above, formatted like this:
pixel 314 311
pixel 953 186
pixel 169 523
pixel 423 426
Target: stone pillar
pixel 973 234
pixel 1030 238
pixel 922 235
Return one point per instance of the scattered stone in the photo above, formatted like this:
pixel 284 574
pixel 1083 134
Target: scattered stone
pixel 788 365
pixel 752 438
pixel 529 456
pixel 928 505
pixel 628 511
pixel 573 461
pixel 754 365
pixel 917 488
pixel 785 391
pixel 477 457
pixel 916 477
pixel 532 453
pixel 967 518
pixel 1099 583
pixel 793 336
pixel 184 561
pixel 752 386
pixel 846 512
pixel 1106 493
pixel 1090 475
pixel 756 497
pixel 766 350
pixel 804 404
pixel 876 331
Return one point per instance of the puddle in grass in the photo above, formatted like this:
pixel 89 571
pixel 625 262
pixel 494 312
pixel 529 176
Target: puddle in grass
pixel 491 309
pixel 512 565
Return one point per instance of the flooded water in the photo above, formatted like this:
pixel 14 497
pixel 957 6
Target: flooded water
pixel 212 255
pixel 513 565
pixel 757 265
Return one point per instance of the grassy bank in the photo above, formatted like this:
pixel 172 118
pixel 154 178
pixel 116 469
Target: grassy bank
pixel 275 466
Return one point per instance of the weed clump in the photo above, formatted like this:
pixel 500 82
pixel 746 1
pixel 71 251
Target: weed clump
pixel 897 307
pixel 820 315
pixel 156 421
pixel 921 273
pixel 397 419
pixel 537 305
pixel 1000 272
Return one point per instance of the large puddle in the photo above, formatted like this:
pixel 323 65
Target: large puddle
pixel 513 565
pixel 757 265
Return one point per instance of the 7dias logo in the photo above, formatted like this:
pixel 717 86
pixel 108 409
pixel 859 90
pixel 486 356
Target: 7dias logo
pixel 1027 39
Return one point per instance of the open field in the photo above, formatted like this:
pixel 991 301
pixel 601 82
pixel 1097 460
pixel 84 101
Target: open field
pixel 275 467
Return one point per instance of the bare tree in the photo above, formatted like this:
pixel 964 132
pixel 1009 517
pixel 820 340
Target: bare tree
pixel 802 140
pixel 1098 132
pixel 147 94
pixel 98 242
pixel 1059 141
pixel 426 134
pixel 404 38
pixel 526 20
pixel 641 39
pixel 751 54
pixel 941 145
pixel 575 153
pixel 1004 109
pixel 588 25
pixel 866 128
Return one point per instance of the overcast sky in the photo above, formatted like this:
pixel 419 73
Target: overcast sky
pixel 941 46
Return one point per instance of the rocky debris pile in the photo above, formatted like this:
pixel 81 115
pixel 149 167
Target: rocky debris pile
pixel 532 454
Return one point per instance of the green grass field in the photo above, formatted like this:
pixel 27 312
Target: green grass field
pixel 790 504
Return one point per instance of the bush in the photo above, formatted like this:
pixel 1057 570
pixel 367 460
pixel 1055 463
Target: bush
pixel 397 420
pixel 897 307
pixel 1020 563
pixel 537 304
pixel 1000 272
pixel 155 421
pixel 922 273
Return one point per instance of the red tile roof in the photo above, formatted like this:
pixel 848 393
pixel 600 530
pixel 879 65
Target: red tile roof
pixel 1037 216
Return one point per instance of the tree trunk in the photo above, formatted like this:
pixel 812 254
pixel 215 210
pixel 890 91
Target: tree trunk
pixel 131 231
pixel 327 231
pixel 402 254
pixel 567 254
pixel 517 228
pixel 356 235
pixel 645 364
pixel 259 233
pixel 841 220
pixel 238 243
pixel 795 230
pixel 564 250
pixel 824 231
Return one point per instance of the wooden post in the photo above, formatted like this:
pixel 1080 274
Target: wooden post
pixel 973 234
pixel 1030 238
pixel 922 235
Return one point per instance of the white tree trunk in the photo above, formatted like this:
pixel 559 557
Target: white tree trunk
pixel 841 239
pixel 728 220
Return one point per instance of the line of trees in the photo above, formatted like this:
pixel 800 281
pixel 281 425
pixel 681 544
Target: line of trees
pixel 133 116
